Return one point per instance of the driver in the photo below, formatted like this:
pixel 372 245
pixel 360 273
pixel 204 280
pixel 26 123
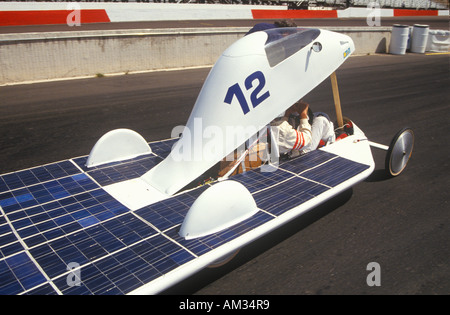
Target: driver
pixel 304 138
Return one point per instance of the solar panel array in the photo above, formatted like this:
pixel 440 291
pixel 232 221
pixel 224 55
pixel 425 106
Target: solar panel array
pixel 62 233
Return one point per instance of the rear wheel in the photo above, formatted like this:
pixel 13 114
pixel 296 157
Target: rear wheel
pixel 224 260
pixel 399 152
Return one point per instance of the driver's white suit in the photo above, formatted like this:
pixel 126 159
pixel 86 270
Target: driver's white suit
pixel 305 137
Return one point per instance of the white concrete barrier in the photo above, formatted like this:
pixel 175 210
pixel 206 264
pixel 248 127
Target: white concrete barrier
pixel 438 41
pixel 44 56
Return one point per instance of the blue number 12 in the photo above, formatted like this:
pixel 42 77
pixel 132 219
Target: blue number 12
pixel 235 90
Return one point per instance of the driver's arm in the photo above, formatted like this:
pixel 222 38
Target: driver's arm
pixel 302 136
pixel 295 139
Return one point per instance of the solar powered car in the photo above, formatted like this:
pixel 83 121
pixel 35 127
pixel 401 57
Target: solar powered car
pixel 134 217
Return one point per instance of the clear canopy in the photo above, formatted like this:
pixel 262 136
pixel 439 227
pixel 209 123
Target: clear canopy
pixel 283 42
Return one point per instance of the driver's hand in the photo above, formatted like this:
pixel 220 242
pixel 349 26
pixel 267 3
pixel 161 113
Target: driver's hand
pixel 302 109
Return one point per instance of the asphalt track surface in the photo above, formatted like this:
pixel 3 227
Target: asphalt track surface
pixel 401 223
pixel 437 22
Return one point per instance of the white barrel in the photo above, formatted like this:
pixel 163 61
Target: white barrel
pixel 399 39
pixel 419 38
pixel 438 41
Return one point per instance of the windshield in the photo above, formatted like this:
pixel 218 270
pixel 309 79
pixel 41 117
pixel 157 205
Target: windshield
pixel 284 42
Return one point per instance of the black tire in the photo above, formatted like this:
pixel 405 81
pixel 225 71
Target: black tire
pixel 399 152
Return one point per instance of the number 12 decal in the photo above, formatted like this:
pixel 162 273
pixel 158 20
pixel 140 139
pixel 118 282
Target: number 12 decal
pixel 235 90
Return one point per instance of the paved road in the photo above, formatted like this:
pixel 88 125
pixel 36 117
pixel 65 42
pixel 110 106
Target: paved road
pixel 400 223
pixel 440 22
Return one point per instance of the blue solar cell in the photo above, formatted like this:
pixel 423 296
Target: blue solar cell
pixel 45 289
pixel 27 212
pixel 162 254
pixel 36 175
pixel 24 198
pixel 8 282
pixel 39 218
pixel 12 181
pixel 11 249
pixel 30 279
pixel 63 220
pixel 35 240
pixel 49 261
pixel 170 212
pixel 205 244
pixel 65 289
pixel 24 270
pixel 80 214
pixel 27 177
pixel 146 275
pixel 127 269
pixel 7 238
pixel 46 226
pixel 61 169
pixel 127 284
pixel 28 231
pixel 22 223
pixel 93 251
pixel 56 217
pixel 3 186
pixel 86 222
pixel 119 171
pixel 71 254
pixel 8 202
pixel 2 219
pixel 256 180
pixel 307 161
pixel 8 241
pixel 163 148
pixel 165 265
pixel 52 234
pixel 42 193
pixel 335 171
pixel 4 228
pixel 42 174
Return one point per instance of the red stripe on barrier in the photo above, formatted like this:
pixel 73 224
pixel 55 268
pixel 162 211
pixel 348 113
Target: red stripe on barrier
pixel 293 14
pixel 9 18
pixel 406 12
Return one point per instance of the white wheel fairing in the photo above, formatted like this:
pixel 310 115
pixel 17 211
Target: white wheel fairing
pixel 217 208
pixel 117 145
